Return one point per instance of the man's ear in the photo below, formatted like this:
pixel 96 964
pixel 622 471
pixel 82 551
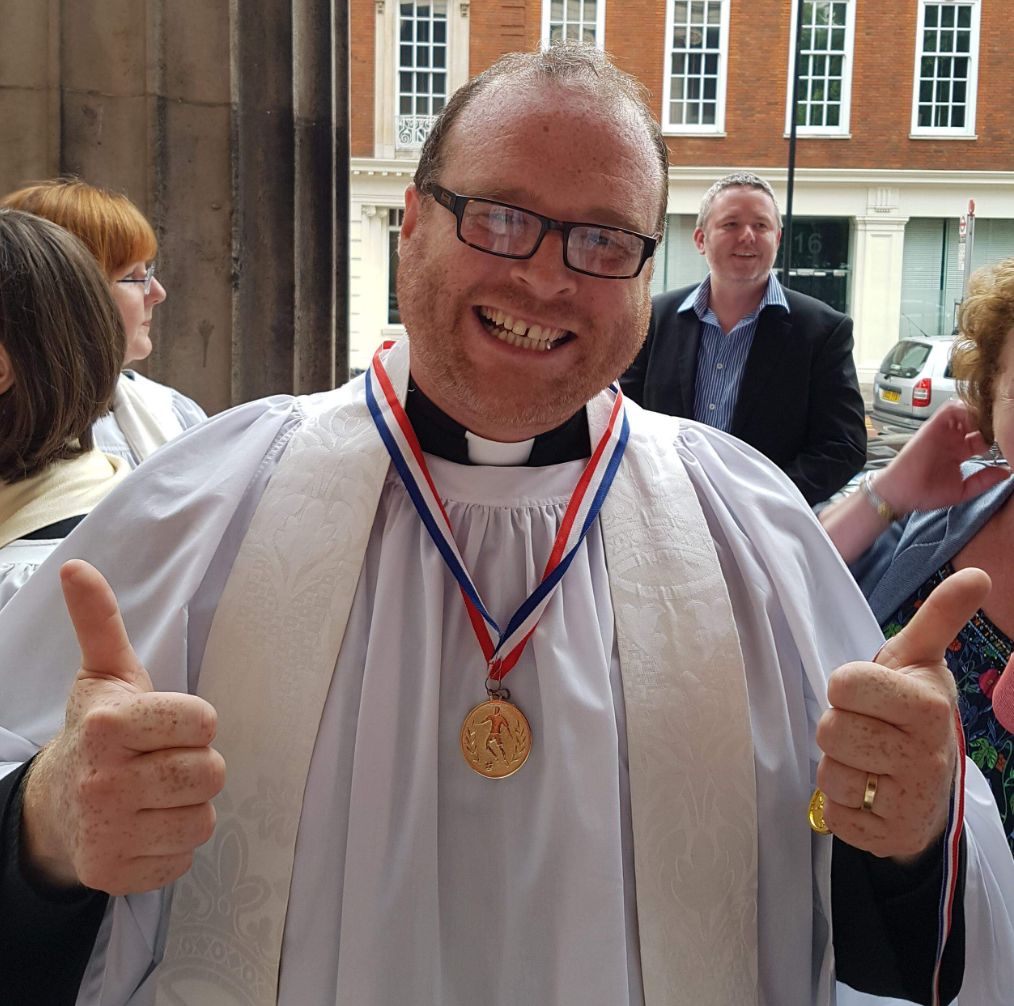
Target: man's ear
pixel 699 239
pixel 6 371
pixel 411 217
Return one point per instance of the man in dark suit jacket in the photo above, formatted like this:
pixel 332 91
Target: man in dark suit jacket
pixel 771 366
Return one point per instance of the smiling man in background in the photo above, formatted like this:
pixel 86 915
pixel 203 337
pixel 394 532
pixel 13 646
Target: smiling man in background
pixel 740 353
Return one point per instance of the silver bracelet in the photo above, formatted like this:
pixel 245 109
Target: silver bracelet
pixel 883 508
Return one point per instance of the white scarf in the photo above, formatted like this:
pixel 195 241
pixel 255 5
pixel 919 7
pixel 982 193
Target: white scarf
pixel 64 489
pixel 143 411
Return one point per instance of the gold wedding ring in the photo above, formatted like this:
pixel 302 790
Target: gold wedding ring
pixel 871 791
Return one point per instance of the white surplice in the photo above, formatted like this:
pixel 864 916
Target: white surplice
pixel 452 889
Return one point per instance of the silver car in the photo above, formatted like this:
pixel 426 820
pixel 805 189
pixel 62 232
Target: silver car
pixel 914 380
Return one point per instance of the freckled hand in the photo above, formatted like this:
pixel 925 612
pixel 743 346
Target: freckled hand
pixel 121 797
pixel 889 737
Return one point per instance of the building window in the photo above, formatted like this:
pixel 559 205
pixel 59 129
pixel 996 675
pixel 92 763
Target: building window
pixel 825 67
pixel 422 69
pixel 931 278
pixel 394 220
pixel 946 68
pixel 693 84
pixel 573 21
pixel 819 264
pixel 677 260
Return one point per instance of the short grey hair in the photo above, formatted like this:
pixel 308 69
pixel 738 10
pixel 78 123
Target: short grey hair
pixel 737 180
pixel 564 63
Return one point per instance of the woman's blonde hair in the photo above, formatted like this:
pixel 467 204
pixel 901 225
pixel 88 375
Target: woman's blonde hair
pixel 112 228
pixel 985 323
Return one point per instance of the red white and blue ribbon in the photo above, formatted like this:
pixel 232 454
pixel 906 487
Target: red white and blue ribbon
pixel 952 851
pixel 501 648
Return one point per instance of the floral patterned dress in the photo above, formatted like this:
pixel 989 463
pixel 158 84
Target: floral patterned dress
pixel 976 659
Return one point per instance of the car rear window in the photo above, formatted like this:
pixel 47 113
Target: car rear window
pixel 906 359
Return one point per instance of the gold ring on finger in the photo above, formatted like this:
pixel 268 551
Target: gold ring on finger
pixel 871 791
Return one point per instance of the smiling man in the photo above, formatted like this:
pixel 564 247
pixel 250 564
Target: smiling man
pixel 742 354
pixel 516 687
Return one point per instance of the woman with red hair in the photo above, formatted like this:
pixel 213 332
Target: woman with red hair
pixel 144 414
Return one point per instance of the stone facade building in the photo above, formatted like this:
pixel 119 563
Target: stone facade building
pixel 219 120
pixel 903 117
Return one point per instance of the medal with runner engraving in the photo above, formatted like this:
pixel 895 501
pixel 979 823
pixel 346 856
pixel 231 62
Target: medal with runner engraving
pixel 496 739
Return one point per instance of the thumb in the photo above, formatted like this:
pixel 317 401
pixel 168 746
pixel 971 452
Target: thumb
pixel 1003 697
pixel 983 479
pixel 105 648
pixel 922 642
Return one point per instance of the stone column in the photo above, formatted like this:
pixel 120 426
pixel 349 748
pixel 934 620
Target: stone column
pixel 219 120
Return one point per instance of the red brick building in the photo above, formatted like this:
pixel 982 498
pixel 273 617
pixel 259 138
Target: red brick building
pixel 903 116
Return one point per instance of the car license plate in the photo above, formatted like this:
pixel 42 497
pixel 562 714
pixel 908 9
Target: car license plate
pixel 890 395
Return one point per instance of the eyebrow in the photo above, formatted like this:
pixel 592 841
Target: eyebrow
pixel 601 216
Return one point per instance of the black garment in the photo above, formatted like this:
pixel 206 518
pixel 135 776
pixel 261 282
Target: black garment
pixel 891 916
pixel 46 933
pixel 799 401
pixel 884 917
pixel 60 529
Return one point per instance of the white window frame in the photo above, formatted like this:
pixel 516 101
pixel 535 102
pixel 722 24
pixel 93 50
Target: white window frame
pixel 844 120
pixel 600 21
pixel 967 131
pixel 413 144
pixel 395 218
pixel 386 57
pixel 717 128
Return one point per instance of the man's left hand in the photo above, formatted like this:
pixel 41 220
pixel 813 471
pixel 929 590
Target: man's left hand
pixel 891 730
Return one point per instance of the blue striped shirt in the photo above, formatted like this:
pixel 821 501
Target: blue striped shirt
pixel 721 357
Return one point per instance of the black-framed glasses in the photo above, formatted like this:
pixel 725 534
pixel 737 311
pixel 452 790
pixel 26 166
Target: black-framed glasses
pixel 149 275
pixel 514 232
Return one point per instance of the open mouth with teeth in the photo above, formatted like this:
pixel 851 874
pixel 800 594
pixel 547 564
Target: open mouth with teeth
pixel 521 333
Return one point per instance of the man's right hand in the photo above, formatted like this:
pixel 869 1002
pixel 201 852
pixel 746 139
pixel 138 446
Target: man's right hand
pixel 121 797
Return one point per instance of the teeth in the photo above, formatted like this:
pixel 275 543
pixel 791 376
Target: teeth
pixel 519 333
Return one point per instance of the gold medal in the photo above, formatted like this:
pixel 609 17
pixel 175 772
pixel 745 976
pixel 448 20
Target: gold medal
pixel 496 738
pixel 816 814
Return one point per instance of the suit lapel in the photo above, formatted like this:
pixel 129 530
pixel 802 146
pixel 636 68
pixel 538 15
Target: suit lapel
pixel 688 340
pixel 771 349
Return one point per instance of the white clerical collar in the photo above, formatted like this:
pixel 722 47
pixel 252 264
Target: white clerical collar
pixel 491 452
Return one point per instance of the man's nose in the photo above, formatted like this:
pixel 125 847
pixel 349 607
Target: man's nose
pixel 545 273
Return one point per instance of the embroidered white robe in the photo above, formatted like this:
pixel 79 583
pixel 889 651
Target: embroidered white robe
pixel 557 920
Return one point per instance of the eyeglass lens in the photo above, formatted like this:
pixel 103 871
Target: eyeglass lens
pixel 145 281
pixel 505 230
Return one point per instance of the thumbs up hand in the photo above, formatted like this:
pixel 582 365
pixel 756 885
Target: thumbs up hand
pixel 889 739
pixel 120 799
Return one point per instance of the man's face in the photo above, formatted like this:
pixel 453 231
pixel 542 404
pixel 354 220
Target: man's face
pixel 558 153
pixel 740 237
